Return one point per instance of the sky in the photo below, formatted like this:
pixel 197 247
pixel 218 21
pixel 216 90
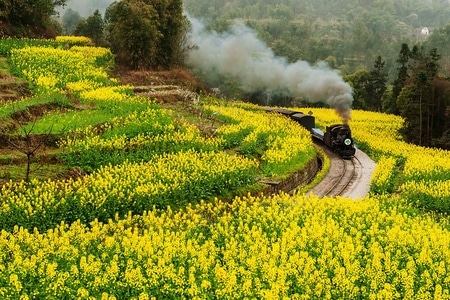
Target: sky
pixel 86 7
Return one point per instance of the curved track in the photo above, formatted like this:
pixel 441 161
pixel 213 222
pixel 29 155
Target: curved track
pixel 346 177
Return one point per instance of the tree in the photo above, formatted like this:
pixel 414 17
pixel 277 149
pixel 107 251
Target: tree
pixel 376 84
pixel 70 20
pixel 361 38
pixel 145 34
pixel 132 33
pixel 391 106
pixel 417 101
pixel 280 11
pixel 171 29
pixel 93 28
pixel 368 87
pixel 409 108
pixel 440 122
pixel 440 39
pixel 27 143
pixel 29 17
pixel 184 44
pixel 359 80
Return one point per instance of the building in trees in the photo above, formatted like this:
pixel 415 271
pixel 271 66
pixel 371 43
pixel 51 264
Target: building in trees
pixel 425 31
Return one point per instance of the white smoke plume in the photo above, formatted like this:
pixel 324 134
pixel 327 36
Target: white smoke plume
pixel 241 55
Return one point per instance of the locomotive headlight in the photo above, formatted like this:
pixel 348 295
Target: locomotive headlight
pixel 347 142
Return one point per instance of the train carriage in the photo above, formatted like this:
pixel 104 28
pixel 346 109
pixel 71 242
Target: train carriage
pixel 337 137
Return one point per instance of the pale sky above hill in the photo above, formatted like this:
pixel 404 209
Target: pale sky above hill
pixel 86 7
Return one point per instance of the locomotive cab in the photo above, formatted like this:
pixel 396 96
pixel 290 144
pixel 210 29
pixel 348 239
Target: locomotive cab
pixel 339 138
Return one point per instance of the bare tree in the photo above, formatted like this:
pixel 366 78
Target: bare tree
pixel 27 144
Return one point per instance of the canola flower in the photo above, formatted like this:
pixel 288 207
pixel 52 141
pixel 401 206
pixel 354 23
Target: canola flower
pixel 281 144
pixel 74 40
pixel 95 113
pixel 166 180
pixel 97 56
pixel 8 43
pixel 416 166
pixel 52 69
pixel 186 133
pixel 279 247
pixel 278 141
pixel 384 175
pixel 83 85
pixel 137 136
pixel 429 194
pixel 110 94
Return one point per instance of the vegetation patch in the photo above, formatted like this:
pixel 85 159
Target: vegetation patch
pixel 142 206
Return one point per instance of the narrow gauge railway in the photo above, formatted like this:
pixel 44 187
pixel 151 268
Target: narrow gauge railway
pixel 342 177
pixel 346 170
pixel 337 137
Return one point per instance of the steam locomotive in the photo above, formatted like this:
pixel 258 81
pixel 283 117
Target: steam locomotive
pixel 337 137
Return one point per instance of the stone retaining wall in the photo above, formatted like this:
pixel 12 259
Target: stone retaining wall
pixel 298 178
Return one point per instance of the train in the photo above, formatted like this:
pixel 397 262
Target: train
pixel 337 137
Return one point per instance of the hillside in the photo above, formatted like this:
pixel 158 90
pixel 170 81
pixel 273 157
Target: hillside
pixel 173 89
pixel 349 35
pixel 150 209
pixel 167 86
pixel 30 153
pixel 11 87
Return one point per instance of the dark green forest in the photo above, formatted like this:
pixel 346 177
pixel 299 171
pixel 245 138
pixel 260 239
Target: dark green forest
pixel 348 34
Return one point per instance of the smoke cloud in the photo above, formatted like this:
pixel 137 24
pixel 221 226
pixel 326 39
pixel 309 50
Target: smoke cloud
pixel 241 55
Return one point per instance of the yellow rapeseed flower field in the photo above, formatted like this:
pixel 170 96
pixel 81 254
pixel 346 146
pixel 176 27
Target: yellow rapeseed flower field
pixel 167 180
pixel 279 141
pixel 417 166
pixel 79 40
pixel 113 234
pixel 53 68
pixel 291 247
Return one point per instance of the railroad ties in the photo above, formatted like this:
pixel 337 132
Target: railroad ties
pixel 346 177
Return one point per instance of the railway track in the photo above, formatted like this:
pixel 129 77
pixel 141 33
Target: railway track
pixel 345 177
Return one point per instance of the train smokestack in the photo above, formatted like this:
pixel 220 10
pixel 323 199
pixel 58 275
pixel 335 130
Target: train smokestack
pixel 240 55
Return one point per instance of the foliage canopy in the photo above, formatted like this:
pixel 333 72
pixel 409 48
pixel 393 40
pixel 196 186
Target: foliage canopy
pixel 29 18
pixel 145 34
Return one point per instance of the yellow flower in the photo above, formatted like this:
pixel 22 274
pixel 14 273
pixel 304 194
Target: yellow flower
pixel 15 282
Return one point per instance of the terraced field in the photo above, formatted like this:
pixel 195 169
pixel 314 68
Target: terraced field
pixel 159 197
